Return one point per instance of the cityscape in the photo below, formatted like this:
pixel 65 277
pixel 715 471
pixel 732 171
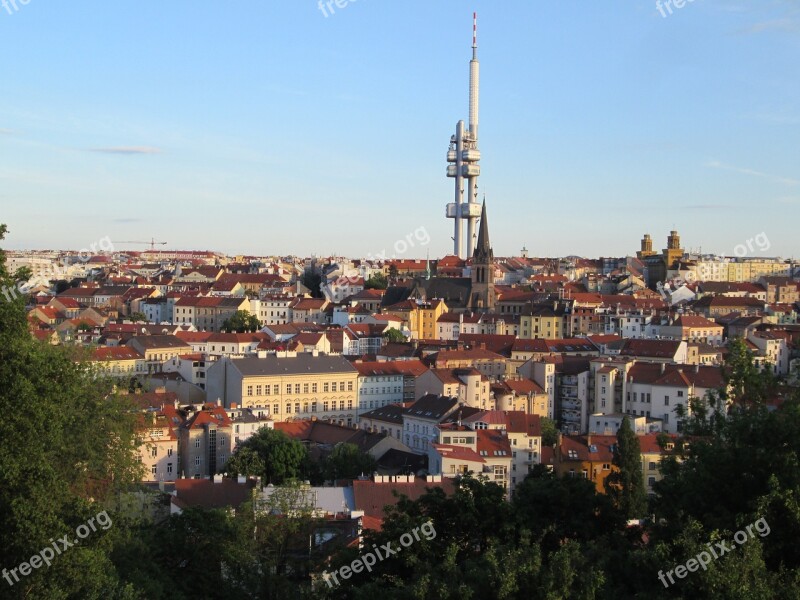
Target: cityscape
pixel 294 390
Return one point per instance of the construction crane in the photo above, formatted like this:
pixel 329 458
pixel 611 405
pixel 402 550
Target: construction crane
pixel 152 243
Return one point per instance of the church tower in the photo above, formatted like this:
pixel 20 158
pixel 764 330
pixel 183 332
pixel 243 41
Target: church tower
pixel 483 297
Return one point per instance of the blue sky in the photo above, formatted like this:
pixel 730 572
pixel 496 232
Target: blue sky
pixel 266 127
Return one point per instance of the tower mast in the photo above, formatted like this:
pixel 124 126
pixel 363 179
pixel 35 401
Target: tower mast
pixel 464 157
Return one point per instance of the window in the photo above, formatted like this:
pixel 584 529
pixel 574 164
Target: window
pixel 313 388
pixel 276 408
pixel 666 400
pixel 169 468
pixel 349 386
pixel 196 461
pixel 652 466
pixel 288 408
pixel 154 469
pixel 154 452
pixel 258 390
pixel 325 387
pixel 305 388
pixel 296 407
pixel 249 390
pixel 325 407
pixel 169 452
pixel 680 393
pixel 333 386
pixel 276 389
pixel 651 481
pixel 197 442
pixel 288 388
pixel 296 388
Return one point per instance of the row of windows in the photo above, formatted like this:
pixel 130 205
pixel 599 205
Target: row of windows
pixel 383 390
pixel 312 388
pixel 326 406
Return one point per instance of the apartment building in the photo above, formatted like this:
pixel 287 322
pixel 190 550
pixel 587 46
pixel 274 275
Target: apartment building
pixel 288 386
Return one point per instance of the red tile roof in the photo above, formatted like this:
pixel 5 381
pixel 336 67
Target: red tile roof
pixel 372 497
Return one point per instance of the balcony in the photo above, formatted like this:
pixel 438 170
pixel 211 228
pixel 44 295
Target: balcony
pixel 565 405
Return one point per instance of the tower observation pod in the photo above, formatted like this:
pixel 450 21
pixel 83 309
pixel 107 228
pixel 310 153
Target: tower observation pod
pixel 463 157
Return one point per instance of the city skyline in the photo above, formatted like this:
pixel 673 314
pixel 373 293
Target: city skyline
pixel 291 127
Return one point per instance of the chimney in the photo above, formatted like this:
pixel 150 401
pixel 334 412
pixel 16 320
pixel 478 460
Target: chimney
pixel 218 478
pixel 663 368
pixel 697 368
pixel 589 440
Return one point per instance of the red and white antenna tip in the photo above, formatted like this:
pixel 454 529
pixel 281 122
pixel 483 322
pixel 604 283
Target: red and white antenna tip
pixel 474 30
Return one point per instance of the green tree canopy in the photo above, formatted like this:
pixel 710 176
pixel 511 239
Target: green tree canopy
pixel 394 335
pixel 625 485
pixel 68 449
pixel 347 462
pixel 241 322
pixel 282 457
pixel 377 282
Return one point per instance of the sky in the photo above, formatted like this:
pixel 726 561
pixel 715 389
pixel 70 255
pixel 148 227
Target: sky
pixel 275 128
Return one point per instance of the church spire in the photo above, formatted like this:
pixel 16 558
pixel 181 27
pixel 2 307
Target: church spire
pixel 483 249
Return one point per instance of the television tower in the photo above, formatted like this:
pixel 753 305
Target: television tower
pixel 463 157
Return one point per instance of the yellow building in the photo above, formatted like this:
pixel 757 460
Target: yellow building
pixel 419 318
pixel 541 322
pixel 288 386
pixel 158 447
pixel 120 361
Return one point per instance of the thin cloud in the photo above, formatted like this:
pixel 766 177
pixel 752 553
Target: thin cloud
pixel 6 131
pixel 706 206
pixel 715 164
pixel 127 220
pixel 128 150
pixel 787 25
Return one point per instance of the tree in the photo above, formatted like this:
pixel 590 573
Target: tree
pixel 377 282
pixel 69 450
pixel 313 281
pixel 394 335
pixel 138 316
pixel 549 432
pixel 625 485
pixel 247 462
pixel 283 458
pixel 393 274
pixel 347 462
pixel 241 322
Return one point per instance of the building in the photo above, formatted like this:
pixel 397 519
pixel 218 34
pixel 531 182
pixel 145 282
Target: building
pixel 158 349
pixel 468 385
pixel 384 383
pixel 421 420
pixel 288 386
pixel 158 447
pixel 587 456
pixel 205 441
